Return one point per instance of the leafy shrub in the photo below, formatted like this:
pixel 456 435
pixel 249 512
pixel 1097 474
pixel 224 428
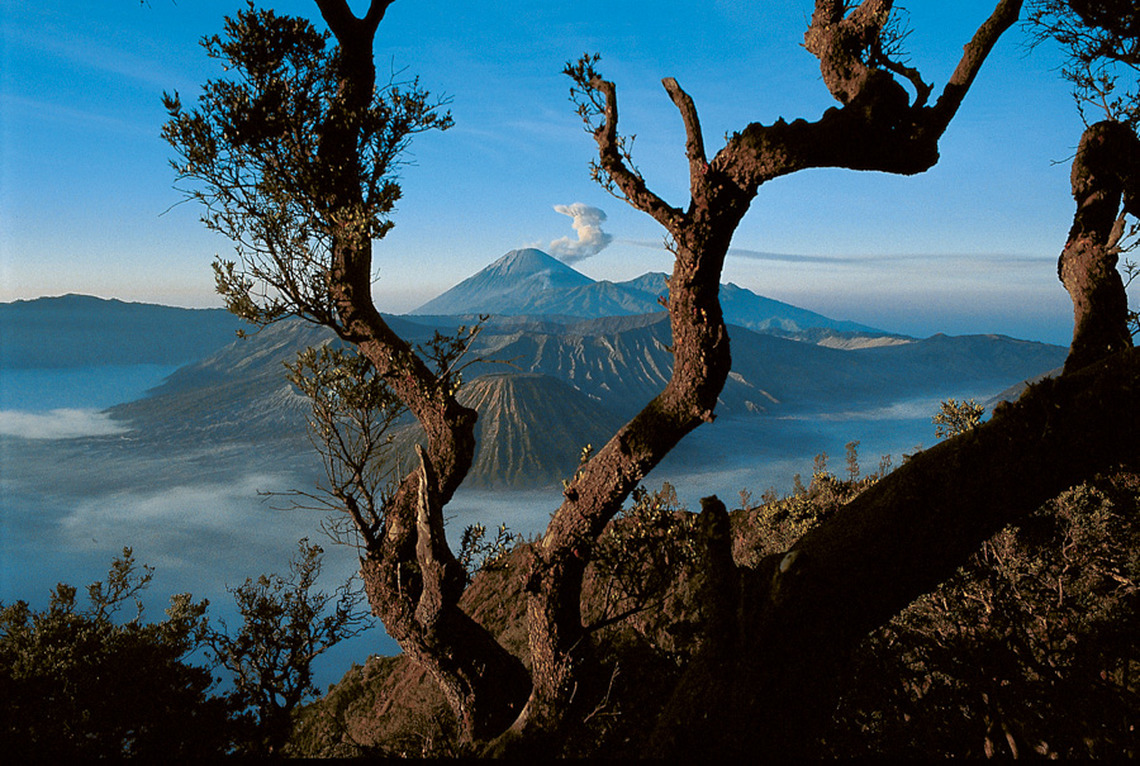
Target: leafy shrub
pixel 77 683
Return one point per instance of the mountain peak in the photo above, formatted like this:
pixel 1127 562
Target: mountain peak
pixel 528 260
pixel 529 282
pixel 510 285
pixel 531 264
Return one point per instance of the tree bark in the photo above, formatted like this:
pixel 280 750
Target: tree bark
pixel 876 129
pixel 410 575
pixel 1106 173
pixel 801 614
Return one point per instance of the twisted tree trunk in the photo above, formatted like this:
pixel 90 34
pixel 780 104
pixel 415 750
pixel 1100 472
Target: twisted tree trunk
pixel 1106 185
pixel 797 616
pixel 876 128
pixel 411 577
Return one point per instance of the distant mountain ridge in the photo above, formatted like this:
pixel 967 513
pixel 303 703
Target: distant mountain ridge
pixel 82 331
pixel 570 385
pixel 569 381
pixel 530 282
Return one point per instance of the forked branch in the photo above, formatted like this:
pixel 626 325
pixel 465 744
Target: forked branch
pixel 597 106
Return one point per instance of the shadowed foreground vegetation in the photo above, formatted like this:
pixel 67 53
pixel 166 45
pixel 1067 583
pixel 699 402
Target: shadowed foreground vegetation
pixel 1031 648
pixel 91 682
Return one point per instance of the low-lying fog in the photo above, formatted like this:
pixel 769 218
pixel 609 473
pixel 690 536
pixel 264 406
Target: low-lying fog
pixel 75 489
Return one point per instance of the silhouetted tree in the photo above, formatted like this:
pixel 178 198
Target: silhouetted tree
pixel 79 683
pixel 1029 648
pixel 286 624
pixel 295 158
pixel 1101 39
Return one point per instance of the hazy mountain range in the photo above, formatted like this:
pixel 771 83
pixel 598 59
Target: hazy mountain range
pixel 81 331
pixel 572 385
pixel 547 383
pixel 529 282
pixel 180 473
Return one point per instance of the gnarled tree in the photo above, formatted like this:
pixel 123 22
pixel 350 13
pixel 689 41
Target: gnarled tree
pixel 1102 41
pixel 879 126
pixel 295 160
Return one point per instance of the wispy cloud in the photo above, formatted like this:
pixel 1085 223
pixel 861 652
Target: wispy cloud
pixel 760 255
pixel 94 55
pixel 198 505
pixel 57 424
pixel 591 239
pixel 35 109
pixel 181 525
pixel 1002 260
pixel 756 255
pixel 942 261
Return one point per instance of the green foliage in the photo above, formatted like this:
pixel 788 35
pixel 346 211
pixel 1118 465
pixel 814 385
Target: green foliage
pixel 852 460
pixel 286 625
pixel 642 551
pixel 777 523
pixel 1101 39
pixel 76 683
pixel 443 353
pixel 954 417
pixel 341 380
pixel 256 151
pixel 477 553
pixel 352 412
pixel 583 458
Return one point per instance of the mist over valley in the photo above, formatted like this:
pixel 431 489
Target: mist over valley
pixel 156 428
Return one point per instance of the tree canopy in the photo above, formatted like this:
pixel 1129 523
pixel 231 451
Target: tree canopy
pixel 81 682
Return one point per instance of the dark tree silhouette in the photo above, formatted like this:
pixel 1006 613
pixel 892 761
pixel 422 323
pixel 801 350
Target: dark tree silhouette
pixel 1101 39
pixel 286 624
pixel 295 158
pixel 79 683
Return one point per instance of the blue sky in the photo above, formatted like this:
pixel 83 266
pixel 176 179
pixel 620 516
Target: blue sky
pixel 87 201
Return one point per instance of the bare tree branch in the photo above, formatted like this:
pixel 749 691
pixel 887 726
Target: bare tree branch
pixel 344 23
pixel 613 161
pixel 694 140
pixel 973 56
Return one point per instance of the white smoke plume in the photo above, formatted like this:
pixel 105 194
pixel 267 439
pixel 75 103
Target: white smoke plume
pixel 591 239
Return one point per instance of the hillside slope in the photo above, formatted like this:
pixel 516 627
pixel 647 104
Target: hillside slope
pixel 531 429
pixel 567 386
